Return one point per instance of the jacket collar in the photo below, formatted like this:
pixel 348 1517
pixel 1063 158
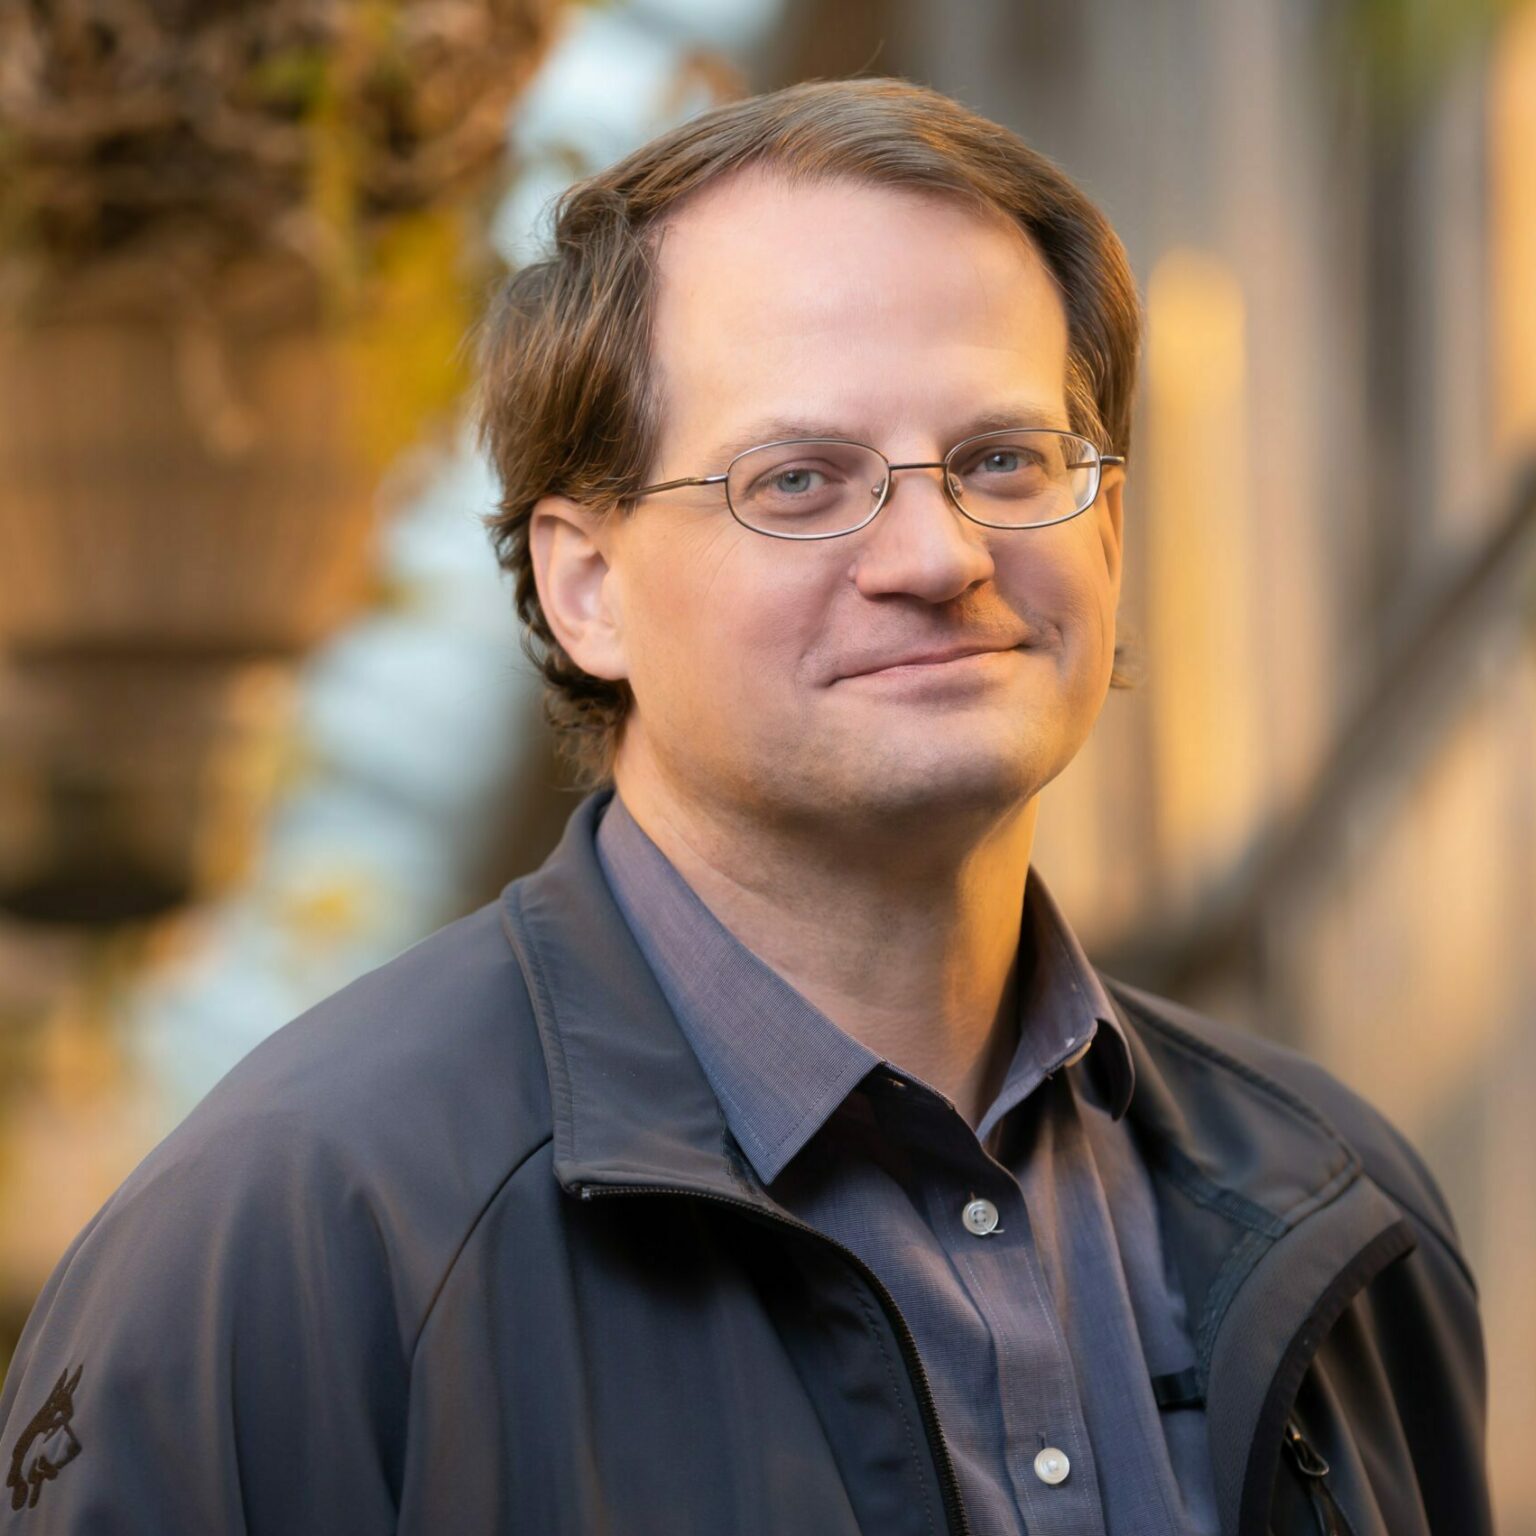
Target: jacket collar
pixel 778 1065
pixel 616 1056
pixel 630 1103
pixel 1265 1210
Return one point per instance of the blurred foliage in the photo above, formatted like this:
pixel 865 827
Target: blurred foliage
pixel 212 132
pixel 310 163
pixel 1405 49
pixel 403 351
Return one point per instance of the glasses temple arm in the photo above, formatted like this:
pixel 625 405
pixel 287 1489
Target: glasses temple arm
pixel 671 485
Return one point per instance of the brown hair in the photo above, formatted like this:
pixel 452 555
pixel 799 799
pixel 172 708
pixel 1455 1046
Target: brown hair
pixel 567 403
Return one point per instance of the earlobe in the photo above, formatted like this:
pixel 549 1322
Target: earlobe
pixel 570 549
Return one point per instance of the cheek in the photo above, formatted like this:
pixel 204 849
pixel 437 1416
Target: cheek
pixel 1061 585
pixel 714 617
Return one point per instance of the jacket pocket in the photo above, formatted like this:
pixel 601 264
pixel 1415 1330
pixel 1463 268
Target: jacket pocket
pixel 1305 1504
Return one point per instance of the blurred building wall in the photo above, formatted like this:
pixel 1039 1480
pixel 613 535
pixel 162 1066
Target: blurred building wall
pixel 1317 815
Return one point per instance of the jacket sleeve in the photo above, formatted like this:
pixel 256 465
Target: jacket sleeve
pixel 217 1351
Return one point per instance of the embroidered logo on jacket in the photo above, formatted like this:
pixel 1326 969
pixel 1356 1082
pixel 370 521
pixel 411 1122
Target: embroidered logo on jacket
pixel 46 1444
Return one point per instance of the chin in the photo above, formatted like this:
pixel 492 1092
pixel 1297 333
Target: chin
pixel 925 779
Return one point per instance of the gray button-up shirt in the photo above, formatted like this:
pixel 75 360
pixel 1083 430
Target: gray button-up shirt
pixel 1025 1255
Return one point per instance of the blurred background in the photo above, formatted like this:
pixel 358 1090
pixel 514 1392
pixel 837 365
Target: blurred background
pixel 264 721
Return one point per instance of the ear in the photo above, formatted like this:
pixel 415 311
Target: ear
pixel 571 548
pixel 1110 512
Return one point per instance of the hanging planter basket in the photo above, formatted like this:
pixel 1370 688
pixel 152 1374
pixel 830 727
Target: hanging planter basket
pixel 236 269
pixel 130 786
pixel 206 490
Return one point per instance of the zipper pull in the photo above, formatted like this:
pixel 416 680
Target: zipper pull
pixel 1308 1462
pixel 1311 1465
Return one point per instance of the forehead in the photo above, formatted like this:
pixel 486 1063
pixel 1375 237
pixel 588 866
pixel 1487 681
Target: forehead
pixel 879 307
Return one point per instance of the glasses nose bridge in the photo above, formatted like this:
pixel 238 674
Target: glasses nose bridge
pixel 945 486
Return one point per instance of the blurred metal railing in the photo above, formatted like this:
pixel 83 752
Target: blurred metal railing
pixel 1419 690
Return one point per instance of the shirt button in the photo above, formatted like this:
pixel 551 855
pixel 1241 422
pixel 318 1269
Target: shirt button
pixel 980 1217
pixel 1052 1466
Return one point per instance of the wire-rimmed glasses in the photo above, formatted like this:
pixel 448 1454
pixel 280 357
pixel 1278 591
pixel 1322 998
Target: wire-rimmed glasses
pixel 824 487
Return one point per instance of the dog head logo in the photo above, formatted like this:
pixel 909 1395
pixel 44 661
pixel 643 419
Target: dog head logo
pixel 46 1444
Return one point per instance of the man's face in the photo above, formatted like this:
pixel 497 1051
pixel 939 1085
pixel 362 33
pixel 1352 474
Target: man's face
pixel 896 320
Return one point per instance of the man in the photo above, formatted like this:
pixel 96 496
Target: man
pixel 773 1160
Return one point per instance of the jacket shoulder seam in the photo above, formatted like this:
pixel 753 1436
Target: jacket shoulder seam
pixel 1192 1044
pixel 1410 1207
pixel 1434 1229
pixel 468 1237
pixel 1184 1039
pixel 1457 1257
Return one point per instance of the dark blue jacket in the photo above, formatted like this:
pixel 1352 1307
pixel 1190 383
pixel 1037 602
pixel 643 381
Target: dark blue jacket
pixel 468 1248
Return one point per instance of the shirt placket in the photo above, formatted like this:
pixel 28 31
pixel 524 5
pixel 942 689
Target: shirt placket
pixel 978 1214
pixel 1139 1480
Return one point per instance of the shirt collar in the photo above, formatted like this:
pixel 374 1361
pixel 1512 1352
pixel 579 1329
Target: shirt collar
pixel 778 1065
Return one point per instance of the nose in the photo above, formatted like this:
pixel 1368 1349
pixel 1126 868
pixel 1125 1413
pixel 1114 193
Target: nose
pixel 920 543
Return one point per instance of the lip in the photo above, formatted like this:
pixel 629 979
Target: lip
pixel 933 658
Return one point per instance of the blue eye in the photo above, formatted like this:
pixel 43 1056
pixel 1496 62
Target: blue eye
pixel 795 481
pixel 1007 461
pixel 1005 471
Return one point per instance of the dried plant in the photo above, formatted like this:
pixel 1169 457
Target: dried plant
pixel 210 131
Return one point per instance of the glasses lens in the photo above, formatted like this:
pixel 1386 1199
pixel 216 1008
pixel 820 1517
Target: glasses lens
pixel 1016 479
pixel 807 488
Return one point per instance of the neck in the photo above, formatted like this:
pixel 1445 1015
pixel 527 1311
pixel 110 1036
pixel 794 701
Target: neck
pixel 909 946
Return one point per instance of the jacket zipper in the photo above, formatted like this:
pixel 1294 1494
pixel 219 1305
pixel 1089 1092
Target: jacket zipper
pixel 1298 1355
pixel 1313 1470
pixel 956 1519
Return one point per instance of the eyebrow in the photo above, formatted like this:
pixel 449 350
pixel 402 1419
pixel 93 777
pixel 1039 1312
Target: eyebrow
pixel 773 429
